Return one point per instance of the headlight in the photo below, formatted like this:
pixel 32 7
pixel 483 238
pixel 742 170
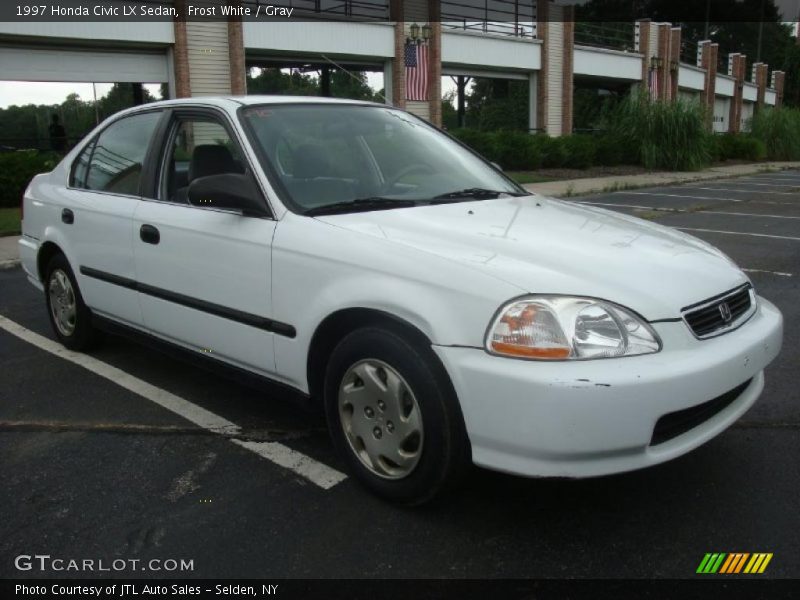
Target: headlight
pixel 567 328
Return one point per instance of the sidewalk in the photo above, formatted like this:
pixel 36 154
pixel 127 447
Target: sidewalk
pixel 9 256
pixel 580 187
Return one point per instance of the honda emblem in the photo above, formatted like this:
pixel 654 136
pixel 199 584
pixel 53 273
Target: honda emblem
pixel 725 312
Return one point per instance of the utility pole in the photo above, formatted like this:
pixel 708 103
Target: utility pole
pixel 760 32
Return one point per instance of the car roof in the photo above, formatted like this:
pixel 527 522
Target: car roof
pixel 233 101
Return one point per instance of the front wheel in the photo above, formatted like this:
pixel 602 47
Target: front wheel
pixel 393 416
pixel 69 316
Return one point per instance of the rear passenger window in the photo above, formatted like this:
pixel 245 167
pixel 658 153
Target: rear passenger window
pixel 113 163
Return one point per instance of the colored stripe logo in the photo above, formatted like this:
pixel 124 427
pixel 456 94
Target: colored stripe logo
pixel 734 562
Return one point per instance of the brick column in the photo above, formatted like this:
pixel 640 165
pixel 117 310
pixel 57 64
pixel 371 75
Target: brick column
pixel 778 80
pixel 709 54
pixel 183 88
pixel 435 64
pixel 542 27
pixel 738 63
pixel 398 63
pixel 236 57
pixel 761 71
pixel 644 49
pixel 675 61
pixel 664 53
pixel 568 84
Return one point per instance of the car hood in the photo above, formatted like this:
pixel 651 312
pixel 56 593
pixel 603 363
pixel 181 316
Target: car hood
pixel 549 246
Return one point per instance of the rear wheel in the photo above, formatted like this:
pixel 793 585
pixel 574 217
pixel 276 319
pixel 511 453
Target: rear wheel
pixel 69 316
pixel 393 416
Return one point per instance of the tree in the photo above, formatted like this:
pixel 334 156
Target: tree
pixel 27 126
pixel 352 84
pixel 344 84
pixel 494 104
pixel 276 81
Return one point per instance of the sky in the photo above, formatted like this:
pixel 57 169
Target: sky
pixel 31 92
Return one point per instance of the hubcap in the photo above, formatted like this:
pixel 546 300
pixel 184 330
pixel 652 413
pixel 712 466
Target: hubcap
pixel 381 419
pixel 62 302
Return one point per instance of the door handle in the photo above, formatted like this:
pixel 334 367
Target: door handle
pixel 67 216
pixel 149 234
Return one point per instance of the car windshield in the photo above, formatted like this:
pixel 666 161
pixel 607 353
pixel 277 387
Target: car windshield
pixel 330 158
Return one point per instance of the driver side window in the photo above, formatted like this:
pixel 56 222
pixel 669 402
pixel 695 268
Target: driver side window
pixel 199 147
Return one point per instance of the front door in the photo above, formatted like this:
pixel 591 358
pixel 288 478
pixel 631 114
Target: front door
pixel 204 273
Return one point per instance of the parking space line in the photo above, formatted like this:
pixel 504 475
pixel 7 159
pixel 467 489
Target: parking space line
pixel 281 455
pixel 683 210
pixel 746 182
pixel 764 235
pixel 710 189
pixel 312 470
pixel 778 273
pixel 784 181
pixel 787 176
pixel 637 206
pixel 741 214
pixel 680 196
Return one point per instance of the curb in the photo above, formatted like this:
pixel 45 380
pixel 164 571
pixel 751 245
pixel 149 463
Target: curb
pixel 663 179
pixel 6 265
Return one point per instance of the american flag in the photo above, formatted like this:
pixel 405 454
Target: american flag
pixel 416 60
pixel 653 84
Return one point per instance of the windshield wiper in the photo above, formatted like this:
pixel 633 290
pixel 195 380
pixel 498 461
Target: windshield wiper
pixel 470 194
pixel 360 204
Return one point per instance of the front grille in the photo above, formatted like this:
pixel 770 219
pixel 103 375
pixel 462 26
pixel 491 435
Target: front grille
pixel 719 313
pixel 675 423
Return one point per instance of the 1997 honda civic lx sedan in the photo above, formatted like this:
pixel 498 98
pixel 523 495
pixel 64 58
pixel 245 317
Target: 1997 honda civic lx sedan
pixel 440 314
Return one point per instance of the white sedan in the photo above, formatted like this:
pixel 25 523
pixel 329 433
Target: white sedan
pixel 439 313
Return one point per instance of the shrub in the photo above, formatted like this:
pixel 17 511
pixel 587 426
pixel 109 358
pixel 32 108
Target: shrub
pixel 737 146
pixel 480 141
pixel 611 151
pixel 579 150
pixel 553 151
pixel 16 171
pixel 514 151
pixel 779 130
pixel 666 135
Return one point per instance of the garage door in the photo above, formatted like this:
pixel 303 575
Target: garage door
pixel 37 64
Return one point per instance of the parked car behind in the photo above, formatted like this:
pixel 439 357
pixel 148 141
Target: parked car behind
pixel 438 313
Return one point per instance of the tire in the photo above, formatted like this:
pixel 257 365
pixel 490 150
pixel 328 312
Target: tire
pixel 394 417
pixel 70 318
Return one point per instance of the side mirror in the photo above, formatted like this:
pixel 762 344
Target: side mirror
pixel 228 190
pixel 496 166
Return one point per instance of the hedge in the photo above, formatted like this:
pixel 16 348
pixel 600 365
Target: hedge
pixel 16 171
pixel 779 130
pixel 517 151
pixel 741 146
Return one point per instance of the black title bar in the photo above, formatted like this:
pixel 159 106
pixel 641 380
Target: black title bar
pixel 450 11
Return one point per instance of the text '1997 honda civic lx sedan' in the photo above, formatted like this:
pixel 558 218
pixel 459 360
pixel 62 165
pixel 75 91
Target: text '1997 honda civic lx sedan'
pixel 440 314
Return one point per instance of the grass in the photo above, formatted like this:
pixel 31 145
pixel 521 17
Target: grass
pixel 528 177
pixel 9 221
pixel 779 129
pixel 621 186
pixel 671 136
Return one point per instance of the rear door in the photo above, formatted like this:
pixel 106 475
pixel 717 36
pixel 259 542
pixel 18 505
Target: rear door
pixel 204 276
pixel 97 216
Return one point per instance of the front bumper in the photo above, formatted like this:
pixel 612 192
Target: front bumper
pixel 588 418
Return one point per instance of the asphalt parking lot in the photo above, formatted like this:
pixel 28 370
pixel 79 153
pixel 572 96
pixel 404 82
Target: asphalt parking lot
pixel 94 469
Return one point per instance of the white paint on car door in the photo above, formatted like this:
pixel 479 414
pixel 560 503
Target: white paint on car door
pixel 103 198
pixel 222 260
